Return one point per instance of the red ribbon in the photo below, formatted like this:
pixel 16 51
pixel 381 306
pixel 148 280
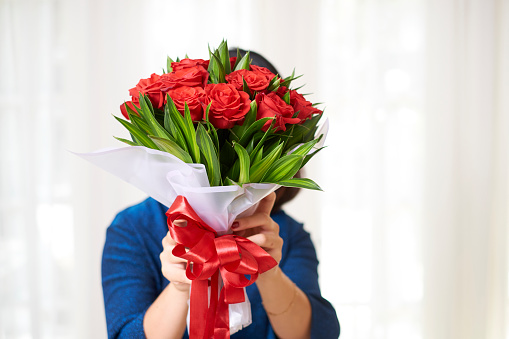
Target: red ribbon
pixel 208 256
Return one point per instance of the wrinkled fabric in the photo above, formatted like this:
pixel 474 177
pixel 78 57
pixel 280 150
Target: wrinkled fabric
pixel 132 278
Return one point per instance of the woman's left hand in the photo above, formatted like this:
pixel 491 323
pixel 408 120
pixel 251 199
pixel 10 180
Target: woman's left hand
pixel 261 229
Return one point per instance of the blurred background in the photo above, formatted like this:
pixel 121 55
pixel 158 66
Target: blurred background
pixel 412 226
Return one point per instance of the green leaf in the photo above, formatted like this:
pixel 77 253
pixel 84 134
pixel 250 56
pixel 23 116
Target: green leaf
pixel 230 182
pixel 147 114
pixel 300 183
pixel 219 68
pixel 296 89
pixel 309 156
pixel 190 135
pixel 256 156
pixel 209 156
pixel 255 127
pixel 227 157
pixel 286 97
pixel 287 81
pixel 274 84
pixel 259 168
pixel 250 117
pixel 311 125
pixel 243 63
pixel 301 133
pixel 250 146
pixel 238 59
pixel 224 55
pixel 185 132
pixel 136 120
pixel 245 87
pixel 234 171
pixel 137 133
pixel 170 110
pixel 171 147
pixel 243 162
pixel 207 110
pixel 129 142
pixel 169 69
pixel 269 146
pixel 283 168
pixel 211 130
pixel 210 69
pixel 262 140
pixel 306 148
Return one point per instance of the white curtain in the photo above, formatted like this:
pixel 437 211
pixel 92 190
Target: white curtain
pixel 411 230
pixel 465 210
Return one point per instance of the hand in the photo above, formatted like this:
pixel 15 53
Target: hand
pixel 172 267
pixel 261 229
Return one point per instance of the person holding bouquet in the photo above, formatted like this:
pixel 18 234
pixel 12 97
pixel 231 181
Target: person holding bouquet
pixel 145 284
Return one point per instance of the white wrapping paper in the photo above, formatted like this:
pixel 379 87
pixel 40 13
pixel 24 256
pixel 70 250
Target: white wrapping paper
pixel 163 177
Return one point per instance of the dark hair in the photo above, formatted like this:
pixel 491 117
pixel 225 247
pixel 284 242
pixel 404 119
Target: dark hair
pixel 256 59
pixel 283 194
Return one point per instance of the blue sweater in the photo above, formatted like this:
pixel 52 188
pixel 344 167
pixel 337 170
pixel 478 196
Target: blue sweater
pixel 132 278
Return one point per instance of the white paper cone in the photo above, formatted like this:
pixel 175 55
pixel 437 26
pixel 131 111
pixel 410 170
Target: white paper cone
pixel 163 177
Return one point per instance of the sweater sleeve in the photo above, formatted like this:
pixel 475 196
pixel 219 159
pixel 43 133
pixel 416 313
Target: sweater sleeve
pixel 301 266
pixel 128 280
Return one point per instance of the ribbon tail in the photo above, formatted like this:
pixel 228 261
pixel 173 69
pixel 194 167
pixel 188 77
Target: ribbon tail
pixel 222 328
pixel 198 308
pixel 214 290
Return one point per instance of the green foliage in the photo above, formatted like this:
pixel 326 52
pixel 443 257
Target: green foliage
pixel 209 155
pixel 171 147
pixel 243 63
pixel 300 183
pixel 243 164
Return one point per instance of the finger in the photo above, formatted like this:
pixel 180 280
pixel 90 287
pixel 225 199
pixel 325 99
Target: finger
pixel 262 220
pixel 168 241
pixel 167 256
pixel 265 205
pixel 175 273
pixel 267 241
pixel 180 223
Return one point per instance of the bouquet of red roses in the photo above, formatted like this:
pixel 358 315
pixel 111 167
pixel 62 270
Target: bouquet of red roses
pixel 243 123
pixel 210 139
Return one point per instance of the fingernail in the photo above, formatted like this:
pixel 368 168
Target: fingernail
pixel 235 225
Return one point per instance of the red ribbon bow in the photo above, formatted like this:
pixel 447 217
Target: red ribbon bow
pixel 232 256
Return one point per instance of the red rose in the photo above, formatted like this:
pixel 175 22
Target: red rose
pixel 193 96
pixel 192 77
pixel 131 104
pixel 255 81
pixel 270 105
pixel 229 106
pixel 233 60
pixel 187 63
pixel 263 71
pixel 281 91
pixel 301 105
pixel 150 87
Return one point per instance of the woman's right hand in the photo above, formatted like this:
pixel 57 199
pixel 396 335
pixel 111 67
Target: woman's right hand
pixel 172 300
pixel 172 267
